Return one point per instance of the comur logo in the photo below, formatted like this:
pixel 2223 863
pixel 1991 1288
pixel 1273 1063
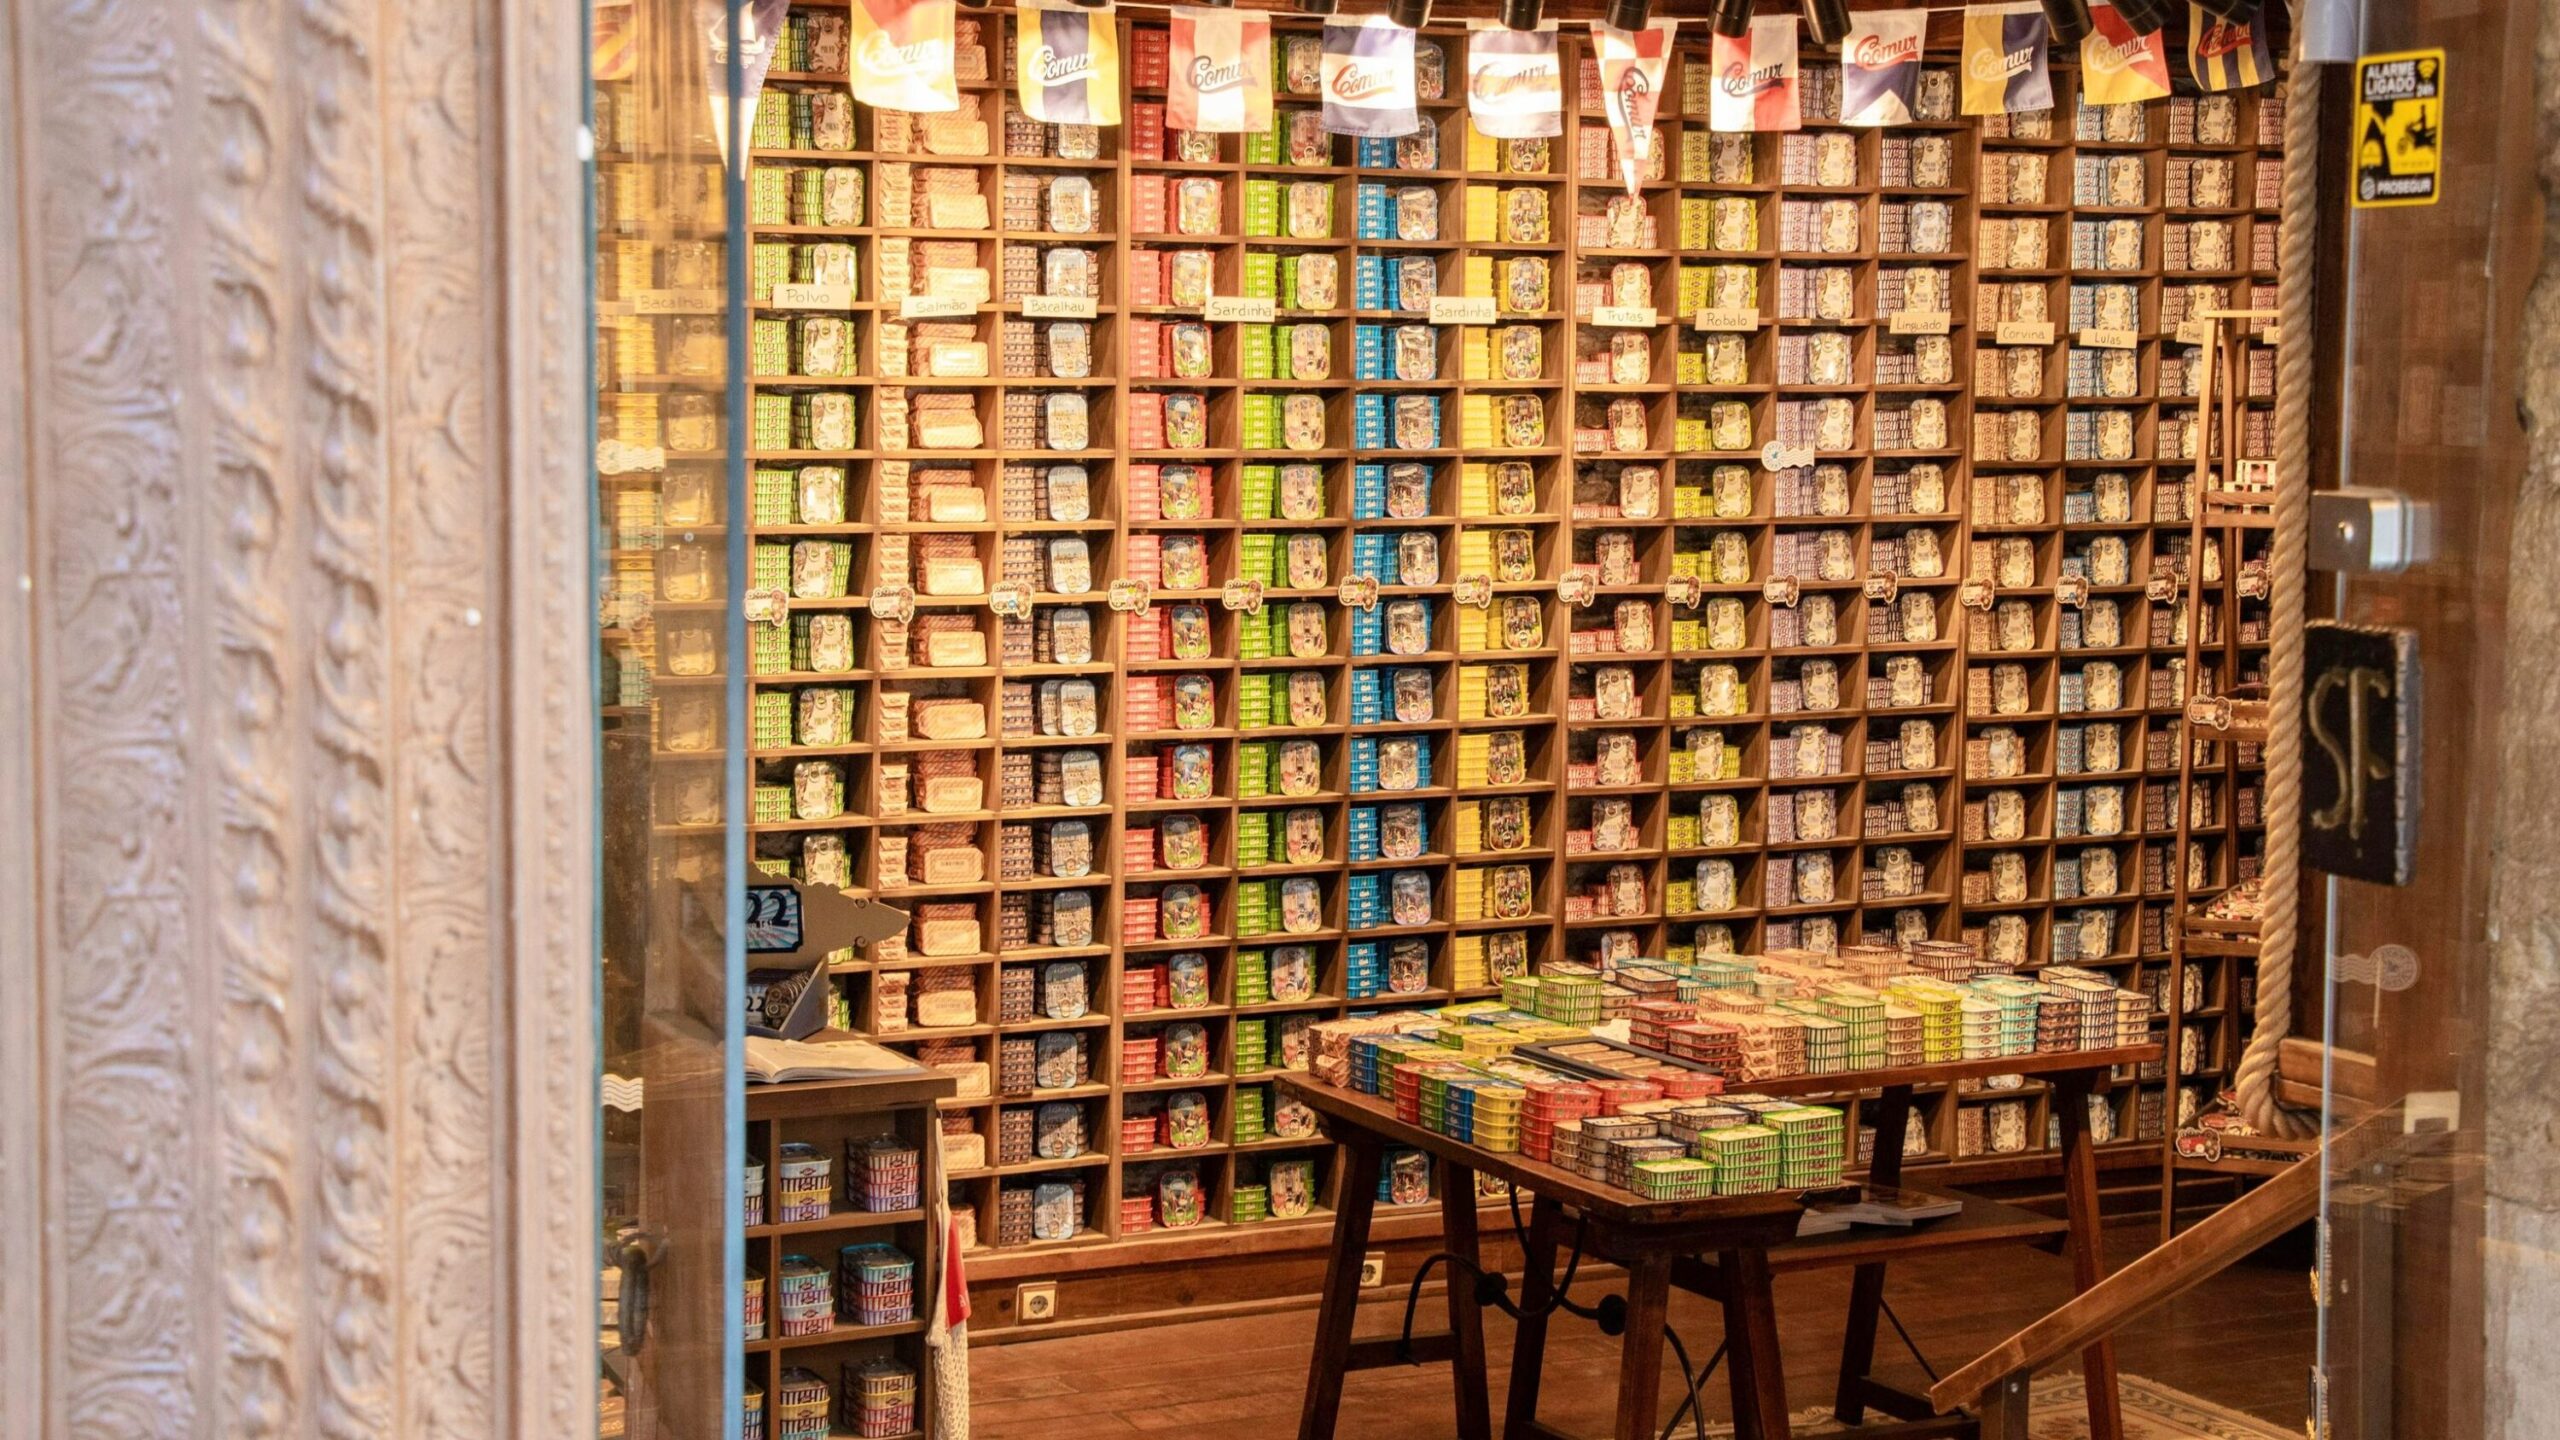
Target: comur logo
pixel 1744 80
pixel 884 56
pixel 1876 52
pixel 1208 77
pixel 1494 82
pixel 2102 56
pixel 1997 67
pixel 1353 83
pixel 2221 37
pixel 1057 69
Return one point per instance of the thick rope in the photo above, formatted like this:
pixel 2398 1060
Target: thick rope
pixel 2279 887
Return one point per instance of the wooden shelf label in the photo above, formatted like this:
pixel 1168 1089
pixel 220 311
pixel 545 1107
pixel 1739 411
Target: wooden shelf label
pixel 1131 598
pixel 1011 600
pixel 2024 332
pixel 675 302
pixel 1920 322
pixel 1057 307
pixel 1463 310
pixel 2195 332
pixel 894 602
pixel 812 297
pixel 1785 457
pixel 937 307
pixel 1244 596
pixel 1625 317
pixel 2111 339
pixel 618 457
pixel 766 605
pixel 1729 320
pixel 1247 309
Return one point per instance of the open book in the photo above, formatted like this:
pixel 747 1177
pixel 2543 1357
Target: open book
pixel 772 1061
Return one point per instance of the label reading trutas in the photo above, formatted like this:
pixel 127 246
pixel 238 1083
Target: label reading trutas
pixel 1625 317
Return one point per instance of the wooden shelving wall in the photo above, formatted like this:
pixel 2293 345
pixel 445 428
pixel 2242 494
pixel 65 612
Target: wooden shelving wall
pixel 1916 713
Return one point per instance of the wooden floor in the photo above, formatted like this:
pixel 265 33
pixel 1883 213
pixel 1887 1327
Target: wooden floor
pixel 2243 1340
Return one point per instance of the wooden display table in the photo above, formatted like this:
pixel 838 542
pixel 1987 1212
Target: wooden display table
pixel 1726 1248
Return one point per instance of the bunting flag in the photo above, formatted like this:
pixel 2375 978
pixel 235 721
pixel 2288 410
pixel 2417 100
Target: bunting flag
pixel 1756 78
pixel 904 56
pixel 1368 78
pixel 611 55
pixel 1066 62
pixel 1631 69
pixel 1221 81
pixel 2117 66
pixel 2006 69
pixel 1515 83
pixel 1880 66
pixel 2227 55
pixel 759 33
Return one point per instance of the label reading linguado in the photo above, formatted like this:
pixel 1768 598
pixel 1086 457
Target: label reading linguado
pixel 1921 322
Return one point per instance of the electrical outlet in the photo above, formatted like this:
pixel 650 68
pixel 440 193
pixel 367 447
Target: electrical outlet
pixel 1035 1304
pixel 1373 1269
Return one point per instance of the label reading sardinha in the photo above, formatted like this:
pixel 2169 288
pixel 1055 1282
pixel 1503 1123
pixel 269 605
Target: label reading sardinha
pixel 1463 310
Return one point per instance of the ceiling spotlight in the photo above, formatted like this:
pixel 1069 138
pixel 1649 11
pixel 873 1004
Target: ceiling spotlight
pixel 2233 10
pixel 2145 16
pixel 1729 18
pixel 1411 14
pixel 1629 14
pixel 1319 7
pixel 2070 20
pixel 1523 14
pixel 1829 19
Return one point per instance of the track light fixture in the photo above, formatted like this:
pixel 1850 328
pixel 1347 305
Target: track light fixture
pixel 2070 20
pixel 1319 7
pixel 1729 18
pixel 1829 19
pixel 1523 14
pixel 2232 10
pixel 1629 14
pixel 1411 14
pixel 2145 16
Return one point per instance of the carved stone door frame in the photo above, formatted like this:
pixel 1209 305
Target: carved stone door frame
pixel 297 963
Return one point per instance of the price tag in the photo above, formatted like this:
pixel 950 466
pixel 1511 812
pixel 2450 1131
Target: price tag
pixel 1920 322
pixel 1011 600
pixel 1883 587
pixel 1249 309
pixel 1242 595
pixel 1577 588
pixel 614 457
pixel 1474 589
pixel 2024 332
pixel 2071 592
pixel 1131 598
pixel 1057 307
pixel 1357 592
pixel 813 297
pixel 1625 317
pixel 2195 332
pixel 937 307
pixel 2161 589
pixel 675 302
pixel 1781 590
pixel 2111 339
pixel 1786 457
pixel 1684 591
pixel 1463 310
pixel 1729 320
pixel 1976 594
pixel 766 605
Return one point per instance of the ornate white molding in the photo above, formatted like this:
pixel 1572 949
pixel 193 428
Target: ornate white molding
pixel 296 1078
